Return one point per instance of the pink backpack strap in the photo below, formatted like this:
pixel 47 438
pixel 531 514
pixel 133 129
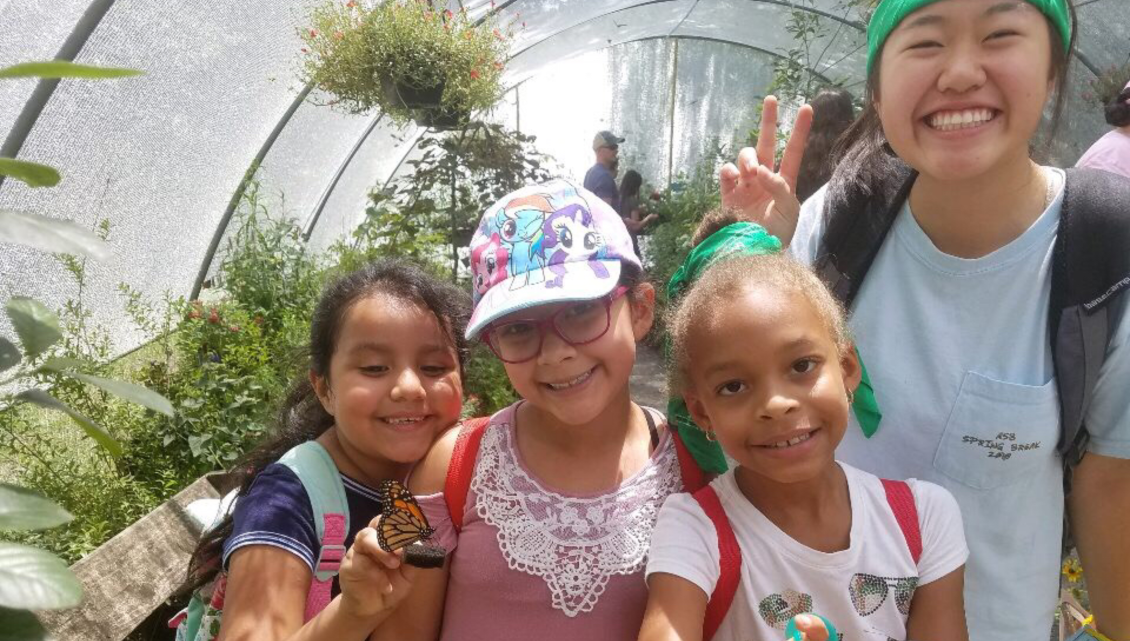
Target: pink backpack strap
pixel 462 468
pixel 327 566
pixel 694 478
pixel 730 562
pixel 901 500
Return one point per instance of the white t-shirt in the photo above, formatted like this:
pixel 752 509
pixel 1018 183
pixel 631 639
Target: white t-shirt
pixel 958 352
pixel 864 590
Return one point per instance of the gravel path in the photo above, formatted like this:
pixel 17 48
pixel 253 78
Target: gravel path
pixel 649 378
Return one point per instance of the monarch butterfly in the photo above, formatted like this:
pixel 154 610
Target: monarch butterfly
pixel 403 523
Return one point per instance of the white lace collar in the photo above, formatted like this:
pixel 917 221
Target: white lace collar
pixel 575 544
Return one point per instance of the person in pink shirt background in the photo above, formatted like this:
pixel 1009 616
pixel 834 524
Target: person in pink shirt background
pixel 1112 151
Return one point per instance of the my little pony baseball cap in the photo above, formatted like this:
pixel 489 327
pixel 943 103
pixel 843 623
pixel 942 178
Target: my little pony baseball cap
pixel 548 243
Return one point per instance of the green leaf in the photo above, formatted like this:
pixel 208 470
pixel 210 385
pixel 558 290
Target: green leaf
pixel 51 235
pixel 129 391
pixel 60 364
pixel 64 69
pixel 93 430
pixel 9 354
pixel 37 326
pixel 20 625
pixel 24 509
pixel 32 173
pixel 32 579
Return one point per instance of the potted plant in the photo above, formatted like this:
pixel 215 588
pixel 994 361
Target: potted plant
pixel 407 58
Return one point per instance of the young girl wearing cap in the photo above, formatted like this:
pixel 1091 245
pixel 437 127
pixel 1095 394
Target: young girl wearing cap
pixel 565 488
pixel 953 316
pixel 815 536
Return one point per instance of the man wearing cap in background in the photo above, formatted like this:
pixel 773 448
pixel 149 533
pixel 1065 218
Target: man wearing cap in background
pixel 601 177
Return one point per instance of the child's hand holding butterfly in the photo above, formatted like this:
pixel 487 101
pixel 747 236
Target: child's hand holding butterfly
pixel 373 582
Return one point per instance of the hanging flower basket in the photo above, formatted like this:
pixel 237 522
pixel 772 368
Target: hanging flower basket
pixel 412 97
pixel 406 59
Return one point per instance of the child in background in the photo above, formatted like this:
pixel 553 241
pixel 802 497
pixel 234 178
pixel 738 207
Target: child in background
pixel 814 535
pixel 551 539
pixel 386 353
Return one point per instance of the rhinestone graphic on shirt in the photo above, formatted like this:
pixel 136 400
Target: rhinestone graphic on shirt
pixel 776 609
pixel 574 544
pixel 869 592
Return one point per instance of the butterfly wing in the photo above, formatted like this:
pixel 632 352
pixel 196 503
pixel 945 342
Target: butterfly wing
pixel 403 522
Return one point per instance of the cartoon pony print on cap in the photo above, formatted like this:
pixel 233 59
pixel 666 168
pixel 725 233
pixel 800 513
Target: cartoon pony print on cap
pixel 571 236
pixel 488 264
pixel 519 227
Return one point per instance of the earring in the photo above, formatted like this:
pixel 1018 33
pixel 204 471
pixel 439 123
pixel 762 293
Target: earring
pixel 709 434
pixel 851 397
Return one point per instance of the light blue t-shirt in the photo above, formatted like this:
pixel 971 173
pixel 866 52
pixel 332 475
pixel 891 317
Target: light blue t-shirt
pixel 958 352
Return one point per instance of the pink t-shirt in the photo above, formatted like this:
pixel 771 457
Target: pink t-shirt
pixel 535 563
pixel 1109 153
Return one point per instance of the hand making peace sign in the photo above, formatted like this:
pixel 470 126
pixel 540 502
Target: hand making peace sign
pixel 753 188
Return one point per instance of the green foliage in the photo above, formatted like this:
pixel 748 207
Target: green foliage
pixel 486 387
pixel 32 578
pixel 34 174
pixel 372 56
pixel 680 209
pixel 64 69
pixel 433 210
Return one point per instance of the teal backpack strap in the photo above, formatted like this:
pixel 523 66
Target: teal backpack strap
pixel 319 475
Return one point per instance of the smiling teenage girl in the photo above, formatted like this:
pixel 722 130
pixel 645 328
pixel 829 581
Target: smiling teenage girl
pixel 955 317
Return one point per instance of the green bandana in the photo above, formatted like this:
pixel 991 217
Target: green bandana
pixel 736 240
pixel 890 13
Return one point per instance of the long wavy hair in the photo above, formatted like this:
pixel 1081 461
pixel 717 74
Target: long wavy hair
pixel 301 417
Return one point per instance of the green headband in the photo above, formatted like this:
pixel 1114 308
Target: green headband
pixel 890 13
pixel 732 241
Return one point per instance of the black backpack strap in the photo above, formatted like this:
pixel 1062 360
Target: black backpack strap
pixel 1091 267
pixel 856 224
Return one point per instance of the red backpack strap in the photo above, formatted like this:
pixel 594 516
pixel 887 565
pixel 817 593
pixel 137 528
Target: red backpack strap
pixel 462 468
pixel 694 479
pixel 901 500
pixel 730 562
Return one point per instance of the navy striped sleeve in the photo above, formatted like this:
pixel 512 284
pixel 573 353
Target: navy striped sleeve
pixel 276 511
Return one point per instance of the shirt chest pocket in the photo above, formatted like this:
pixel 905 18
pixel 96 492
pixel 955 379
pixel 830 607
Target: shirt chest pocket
pixel 998 433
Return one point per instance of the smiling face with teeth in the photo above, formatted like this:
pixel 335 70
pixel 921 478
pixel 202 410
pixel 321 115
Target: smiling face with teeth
pixel 393 385
pixel 778 405
pixel 962 86
pixel 579 384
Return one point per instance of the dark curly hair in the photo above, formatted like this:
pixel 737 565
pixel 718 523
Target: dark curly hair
pixel 302 417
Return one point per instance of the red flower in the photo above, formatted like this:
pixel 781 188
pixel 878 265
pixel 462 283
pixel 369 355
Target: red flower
pixel 194 314
pixel 498 65
pixel 213 317
pixel 351 4
pixel 497 34
pixel 447 14
pixel 305 50
pixel 523 24
pixel 234 328
pixel 313 33
pixel 475 74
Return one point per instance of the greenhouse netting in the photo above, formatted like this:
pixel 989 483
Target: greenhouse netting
pixel 221 162
pixel 163 156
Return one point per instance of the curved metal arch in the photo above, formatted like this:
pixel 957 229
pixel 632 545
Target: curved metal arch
pixel 45 88
pixel 312 220
pixel 225 220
